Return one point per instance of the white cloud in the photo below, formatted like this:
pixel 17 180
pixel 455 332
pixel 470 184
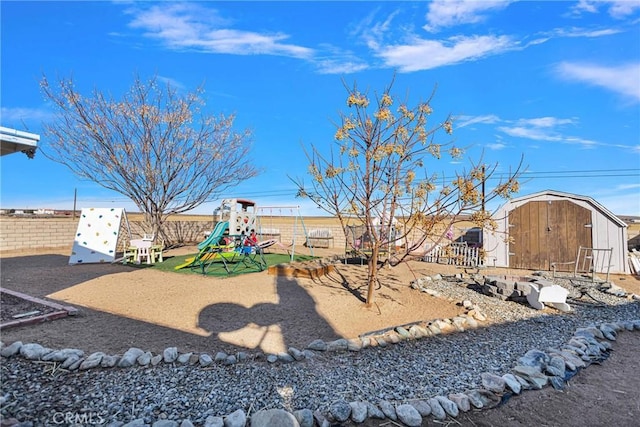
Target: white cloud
pixel 627 186
pixel 548 129
pixel 582 32
pixel 528 133
pixel 190 26
pixel 462 121
pixel 18 117
pixel 423 54
pixel 331 66
pixel 448 13
pixel 496 146
pixel 372 33
pixel 624 79
pixel 338 61
pixel 545 122
pixel 616 8
pixel 171 82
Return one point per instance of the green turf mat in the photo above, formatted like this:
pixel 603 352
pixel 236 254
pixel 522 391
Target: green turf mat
pixel 217 269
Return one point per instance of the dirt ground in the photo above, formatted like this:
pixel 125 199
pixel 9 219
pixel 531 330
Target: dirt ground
pixel 599 396
pixel 122 306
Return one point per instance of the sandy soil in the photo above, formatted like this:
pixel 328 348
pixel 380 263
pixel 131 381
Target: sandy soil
pixel 121 306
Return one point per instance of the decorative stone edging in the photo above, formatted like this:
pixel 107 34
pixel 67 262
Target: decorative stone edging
pixel 535 370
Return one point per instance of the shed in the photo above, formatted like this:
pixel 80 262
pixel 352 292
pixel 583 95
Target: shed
pixel 548 227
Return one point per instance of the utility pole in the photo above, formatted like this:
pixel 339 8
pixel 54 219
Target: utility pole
pixel 483 180
pixel 75 196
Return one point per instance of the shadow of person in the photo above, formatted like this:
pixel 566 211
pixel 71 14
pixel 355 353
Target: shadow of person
pixel 272 327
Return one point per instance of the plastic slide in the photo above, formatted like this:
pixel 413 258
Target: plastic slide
pixel 211 240
pixel 215 236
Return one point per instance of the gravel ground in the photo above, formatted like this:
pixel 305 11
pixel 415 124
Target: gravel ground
pixel 409 370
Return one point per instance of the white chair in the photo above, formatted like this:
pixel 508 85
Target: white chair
pixel 142 250
pixel 144 254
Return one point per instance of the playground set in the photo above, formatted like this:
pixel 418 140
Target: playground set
pixel 233 243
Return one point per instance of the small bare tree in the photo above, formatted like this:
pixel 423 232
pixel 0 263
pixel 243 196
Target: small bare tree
pixel 153 146
pixel 377 176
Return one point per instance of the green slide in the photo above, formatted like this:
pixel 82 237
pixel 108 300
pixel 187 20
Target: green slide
pixel 211 240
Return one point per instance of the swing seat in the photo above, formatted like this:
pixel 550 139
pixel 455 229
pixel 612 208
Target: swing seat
pixel 266 243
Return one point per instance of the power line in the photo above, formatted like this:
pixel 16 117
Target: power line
pixel 532 175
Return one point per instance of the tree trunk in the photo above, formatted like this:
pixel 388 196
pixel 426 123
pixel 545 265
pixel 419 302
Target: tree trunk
pixel 372 274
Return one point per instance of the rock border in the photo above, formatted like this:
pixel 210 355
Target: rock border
pixel 535 370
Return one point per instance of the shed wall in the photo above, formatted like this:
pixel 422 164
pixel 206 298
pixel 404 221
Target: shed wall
pixel 605 233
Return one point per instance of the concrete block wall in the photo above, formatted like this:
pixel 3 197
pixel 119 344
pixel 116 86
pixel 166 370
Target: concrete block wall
pixel 33 235
pixel 36 235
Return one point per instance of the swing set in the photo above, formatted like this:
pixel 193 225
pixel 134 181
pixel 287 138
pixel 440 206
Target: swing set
pixel 274 233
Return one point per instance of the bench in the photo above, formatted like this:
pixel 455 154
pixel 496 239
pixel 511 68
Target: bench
pixel 320 238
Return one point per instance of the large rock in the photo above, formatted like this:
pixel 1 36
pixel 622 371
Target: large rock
pixel 205 360
pixel 532 375
pixel 461 400
pixel 130 357
pixel 388 410
pixel 109 361
pixel 512 383
pixel 449 407
pixel 170 354
pixel 475 398
pixel 33 351
pixel 296 354
pixel 145 358
pixel 317 345
pixel 212 421
pixel 374 412
pixel 409 415
pixel 183 359
pixel 358 411
pixel 12 350
pixel 338 345
pixel 61 355
pixel 92 361
pixel 70 361
pixel 534 358
pixel 436 409
pixel 236 419
pixel 340 410
pixel 273 417
pixel 422 407
pixel 492 382
pixel 304 417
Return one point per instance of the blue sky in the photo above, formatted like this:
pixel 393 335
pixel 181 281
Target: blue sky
pixel 557 82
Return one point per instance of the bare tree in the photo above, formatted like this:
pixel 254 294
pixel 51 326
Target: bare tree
pixel 153 145
pixel 377 175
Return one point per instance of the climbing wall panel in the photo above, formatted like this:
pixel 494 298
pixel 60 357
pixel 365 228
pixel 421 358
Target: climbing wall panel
pixel 97 236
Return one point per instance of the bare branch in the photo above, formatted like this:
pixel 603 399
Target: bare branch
pixel 371 177
pixel 153 145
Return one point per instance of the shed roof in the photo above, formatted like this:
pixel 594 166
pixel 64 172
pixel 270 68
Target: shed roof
pixel 586 199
